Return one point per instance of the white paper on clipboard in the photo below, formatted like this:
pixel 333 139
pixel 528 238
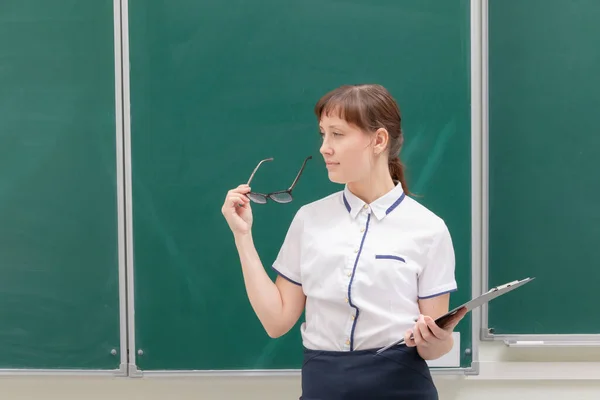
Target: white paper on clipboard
pixel 471 304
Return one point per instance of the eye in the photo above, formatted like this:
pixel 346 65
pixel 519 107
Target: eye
pixel 337 134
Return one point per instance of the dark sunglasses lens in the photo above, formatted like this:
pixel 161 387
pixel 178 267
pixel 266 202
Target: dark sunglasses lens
pixel 257 198
pixel 281 197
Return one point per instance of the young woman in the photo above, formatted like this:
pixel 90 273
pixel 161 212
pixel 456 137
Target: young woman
pixel 367 264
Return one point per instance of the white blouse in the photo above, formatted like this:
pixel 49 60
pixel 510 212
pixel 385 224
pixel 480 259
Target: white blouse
pixel 363 267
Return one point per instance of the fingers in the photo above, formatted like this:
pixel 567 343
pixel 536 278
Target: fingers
pixel 236 198
pixel 409 339
pixel 243 189
pixel 435 330
pixel 236 209
pixel 418 338
pixel 456 318
pixel 424 331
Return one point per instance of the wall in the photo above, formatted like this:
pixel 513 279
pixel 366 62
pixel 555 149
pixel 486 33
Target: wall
pixel 572 373
pixel 536 373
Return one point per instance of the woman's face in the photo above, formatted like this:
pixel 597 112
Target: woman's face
pixel 346 149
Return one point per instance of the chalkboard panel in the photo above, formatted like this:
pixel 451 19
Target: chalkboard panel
pixel 544 177
pixel 216 87
pixel 58 203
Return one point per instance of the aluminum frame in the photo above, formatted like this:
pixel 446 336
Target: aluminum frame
pixel 478 13
pixel 511 340
pixel 122 273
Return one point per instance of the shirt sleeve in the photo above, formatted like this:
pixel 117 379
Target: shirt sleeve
pixel 437 277
pixel 287 263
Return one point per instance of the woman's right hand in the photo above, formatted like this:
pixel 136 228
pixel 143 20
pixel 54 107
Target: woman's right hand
pixel 237 211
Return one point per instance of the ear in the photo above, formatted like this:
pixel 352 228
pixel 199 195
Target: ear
pixel 381 139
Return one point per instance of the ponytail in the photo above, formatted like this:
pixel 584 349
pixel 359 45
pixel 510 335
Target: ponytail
pixel 397 171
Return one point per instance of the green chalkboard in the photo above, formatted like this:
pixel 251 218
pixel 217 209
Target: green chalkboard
pixel 58 204
pixel 216 87
pixel 544 174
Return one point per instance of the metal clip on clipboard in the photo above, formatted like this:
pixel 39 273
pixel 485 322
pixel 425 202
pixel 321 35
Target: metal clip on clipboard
pixel 470 305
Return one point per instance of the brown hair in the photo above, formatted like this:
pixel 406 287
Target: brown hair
pixel 369 107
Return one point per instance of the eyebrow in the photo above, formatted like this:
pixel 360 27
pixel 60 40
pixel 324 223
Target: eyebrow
pixel 332 126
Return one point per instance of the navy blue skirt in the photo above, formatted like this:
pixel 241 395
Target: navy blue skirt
pixel 398 373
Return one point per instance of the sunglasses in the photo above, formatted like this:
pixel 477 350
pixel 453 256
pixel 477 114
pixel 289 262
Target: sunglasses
pixel 284 196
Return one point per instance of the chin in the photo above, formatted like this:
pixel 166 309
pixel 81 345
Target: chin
pixel 336 178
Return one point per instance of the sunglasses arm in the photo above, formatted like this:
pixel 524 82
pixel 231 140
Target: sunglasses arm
pixel 299 173
pixel 256 169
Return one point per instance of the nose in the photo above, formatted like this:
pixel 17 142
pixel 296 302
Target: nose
pixel 325 148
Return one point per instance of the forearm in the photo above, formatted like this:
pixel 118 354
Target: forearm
pixel 435 351
pixel 262 292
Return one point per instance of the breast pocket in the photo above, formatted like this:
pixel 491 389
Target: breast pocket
pixel 395 275
pixel 394 271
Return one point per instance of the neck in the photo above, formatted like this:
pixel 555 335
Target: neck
pixel 372 187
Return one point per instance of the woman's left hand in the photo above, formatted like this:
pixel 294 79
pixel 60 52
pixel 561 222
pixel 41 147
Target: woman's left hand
pixel 426 333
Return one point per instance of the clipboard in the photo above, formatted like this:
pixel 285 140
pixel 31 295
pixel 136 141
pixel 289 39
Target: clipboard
pixel 470 305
